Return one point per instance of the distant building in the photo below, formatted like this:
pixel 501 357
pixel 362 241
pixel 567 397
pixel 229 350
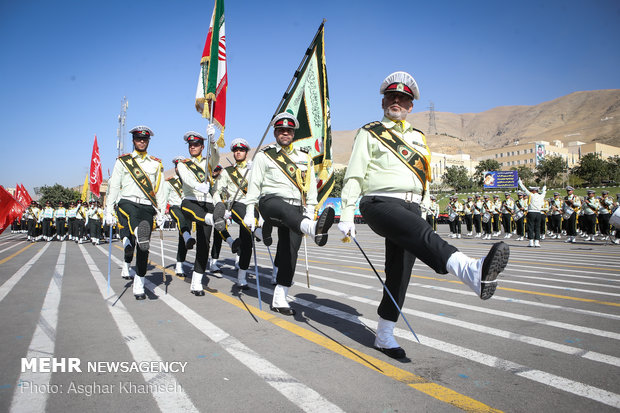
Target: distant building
pixel 441 161
pixel 529 154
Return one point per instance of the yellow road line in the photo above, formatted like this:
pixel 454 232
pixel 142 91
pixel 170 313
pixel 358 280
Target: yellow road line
pixel 16 253
pixel 416 382
pixel 564 265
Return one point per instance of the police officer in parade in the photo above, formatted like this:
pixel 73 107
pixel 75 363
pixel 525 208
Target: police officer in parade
pixel 519 215
pixel 555 218
pixel 468 207
pixel 46 218
pixel 604 213
pixel 432 213
pixel 571 208
pixel 32 218
pixel 506 209
pixel 136 190
pixel 590 206
pixel 173 193
pixel 60 215
pixel 197 205
pixel 390 168
pixel 283 185
pixel 534 208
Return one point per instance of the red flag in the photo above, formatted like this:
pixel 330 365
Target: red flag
pixel 28 197
pixel 20 196
pixel 9 209
pixel 96 176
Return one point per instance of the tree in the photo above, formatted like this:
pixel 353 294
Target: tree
pixel 549 168
pixel 57 193
pixel 456 177
pixel 592 169
pixel 525 173
pixel 613 166
pixel 483 166
pixel 338 181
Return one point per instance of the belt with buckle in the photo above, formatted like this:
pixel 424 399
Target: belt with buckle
pixel 405 196
pixel 137 200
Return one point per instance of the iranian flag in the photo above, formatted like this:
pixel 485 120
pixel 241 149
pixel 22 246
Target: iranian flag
pixel 213 80
pixel 96 176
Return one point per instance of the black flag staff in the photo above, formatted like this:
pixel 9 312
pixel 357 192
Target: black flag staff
pixel 386 289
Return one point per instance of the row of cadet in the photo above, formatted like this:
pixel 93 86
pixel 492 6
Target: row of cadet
pixel 556 217
pixel 79 221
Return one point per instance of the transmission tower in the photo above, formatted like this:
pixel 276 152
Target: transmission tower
pixel 432 127
pixel 120 132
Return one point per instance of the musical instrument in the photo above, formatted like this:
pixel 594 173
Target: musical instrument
pixel 568 212
pixel 452 215
pixel 486 217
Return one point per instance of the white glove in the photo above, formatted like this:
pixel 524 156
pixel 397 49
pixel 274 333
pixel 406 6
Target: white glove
pixel 110 219
pixel 160 219
pixel 309 212
pixel 249 220
pixel 211 132
pixel 227 214
pixel 203 187
pixel 347 228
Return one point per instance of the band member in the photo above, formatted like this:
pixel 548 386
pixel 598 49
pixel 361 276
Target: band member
pixel 543 218
pixel 456 210
pixel 94 214
pixel 283 185
pixel 137 189
pixel 32 218
pixel 390 168
pixel 233 187
pixel 477 210
pixel 571 207
pixel 71 220
pixel 46 217
pixel 486 214
pixel 468 207
pixel 197 205
pixel 506 209
pixel 604 213
pixel 173 193
pixel 60 215
pixel 432 213
pixel 534 206
pixel 590 206
pixel 519 213
pixel 555 219
pixel 497 207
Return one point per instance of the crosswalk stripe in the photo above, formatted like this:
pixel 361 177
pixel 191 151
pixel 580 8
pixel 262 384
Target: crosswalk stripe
pixel 10 283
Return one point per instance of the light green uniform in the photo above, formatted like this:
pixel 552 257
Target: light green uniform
pixel 226 185
pixel 374 169
pixel 190 182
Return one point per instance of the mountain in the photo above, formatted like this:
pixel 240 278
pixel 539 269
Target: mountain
pixel 588 116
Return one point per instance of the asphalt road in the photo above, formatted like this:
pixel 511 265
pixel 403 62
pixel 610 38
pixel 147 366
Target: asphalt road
pixel 547 341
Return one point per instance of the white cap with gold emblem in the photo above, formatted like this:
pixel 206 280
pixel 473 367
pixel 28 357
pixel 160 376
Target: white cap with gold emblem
pixel 401 82
pixel 285 120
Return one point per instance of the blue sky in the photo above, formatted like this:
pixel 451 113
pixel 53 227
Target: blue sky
pixel 66 65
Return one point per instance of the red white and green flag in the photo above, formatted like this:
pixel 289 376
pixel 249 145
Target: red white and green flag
pixel 213 80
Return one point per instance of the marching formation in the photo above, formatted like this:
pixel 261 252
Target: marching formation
pixel 531 216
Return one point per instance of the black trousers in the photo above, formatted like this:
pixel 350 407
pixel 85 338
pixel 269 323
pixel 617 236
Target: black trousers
pixel 130 214
pixel 195 211
pixel 431 221
pixel 533 225
pixel 182 225
pixel 60 227
pixel 32 228
pixel 495 222
pixel 520 227
pixel 469 222
pixel 456 225
pixel 478 223
pixel 506 223
pixel 80 228
pixel 486 226
pixel 603 223
pixel 71 226
pixel 556 223
pixel 276 212
pixel 407 237
pixel 47 227
pixel 245 237
pixel 543 223
pixel 95 228
pixel 589 223
pixel 571 228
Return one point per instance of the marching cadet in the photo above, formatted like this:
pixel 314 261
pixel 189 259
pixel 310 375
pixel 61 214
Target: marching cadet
pixel 220 233
pixel 487 214
pixel 231 183
pixel 390 168
pixel 46 217
pixel 571 207
pixel 196 176
pixel 32 217
pixel 497 206
pixel 604 213
pixel 477 216
pixel 94 214
pixel 543 218
pixel 590 206
pixel 283 185
pixel 468 207
pixel 136 188
pixel 71 220
pixel 80 219
pixel 519 215
pixel 555 219
pixel 506 209
pixel 60 215
pixel 534 207
pixel 173 194
pixel 432 213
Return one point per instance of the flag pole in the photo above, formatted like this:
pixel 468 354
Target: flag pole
pixel 284 97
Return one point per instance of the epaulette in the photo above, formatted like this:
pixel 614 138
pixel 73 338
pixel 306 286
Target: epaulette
pixel 304 149
pixel 125 154
pixel 267 147
pixel 371 125
pixel 155 159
